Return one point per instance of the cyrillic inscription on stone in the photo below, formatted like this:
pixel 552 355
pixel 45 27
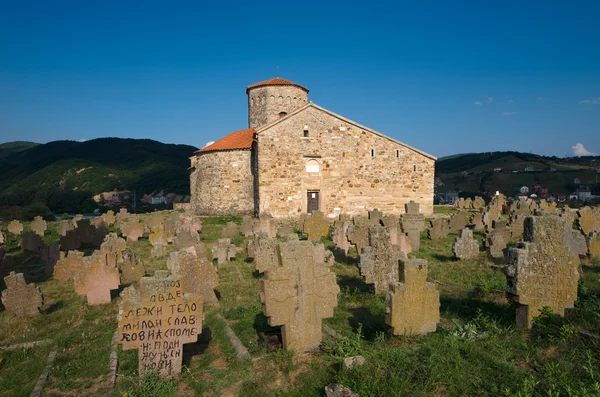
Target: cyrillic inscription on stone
pixel 198 275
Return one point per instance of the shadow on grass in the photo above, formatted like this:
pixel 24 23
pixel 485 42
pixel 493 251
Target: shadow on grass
pixel 466 309
pixel 261 324
pixel 354 283
pixel 199 347
pixel 590 268
pixel 444 258
pixel 372 324
pixel 55 307
pixel 342 258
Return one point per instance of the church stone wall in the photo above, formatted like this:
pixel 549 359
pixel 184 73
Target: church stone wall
pixel 222 183
pixel 267 102
pixel 350 180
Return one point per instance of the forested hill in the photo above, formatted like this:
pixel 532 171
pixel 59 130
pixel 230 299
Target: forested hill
pixel 95 166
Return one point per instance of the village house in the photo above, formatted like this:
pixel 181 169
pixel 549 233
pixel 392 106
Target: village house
pixel 296 157
pixel 524 189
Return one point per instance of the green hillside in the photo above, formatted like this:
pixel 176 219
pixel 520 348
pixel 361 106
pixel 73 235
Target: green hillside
pixel 508 171
pixel 48 172
pixel 8 148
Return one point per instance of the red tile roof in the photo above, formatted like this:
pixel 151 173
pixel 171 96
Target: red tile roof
pixel 241 139
pixel 275 81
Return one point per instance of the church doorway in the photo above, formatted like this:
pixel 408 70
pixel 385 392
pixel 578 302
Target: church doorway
pixel 312 201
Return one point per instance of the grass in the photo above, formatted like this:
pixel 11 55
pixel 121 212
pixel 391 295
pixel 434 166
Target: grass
pixel 476 350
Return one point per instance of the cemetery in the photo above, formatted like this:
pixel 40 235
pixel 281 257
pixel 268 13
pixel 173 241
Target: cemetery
pixel 485 299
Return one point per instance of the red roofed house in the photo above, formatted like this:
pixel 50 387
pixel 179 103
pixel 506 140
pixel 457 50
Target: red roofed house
pixel 296 157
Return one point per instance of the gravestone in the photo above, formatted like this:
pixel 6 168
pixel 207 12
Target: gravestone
pixel 247 226
pixel 393 222
pixel 153 221
pixel 285 229
pixel 109 217
pixel 266 224
pixel 589 220
pixel 64 227
pixel 358 232
pixel 299 294
pixel 20 298
pixel 85 231
pixel 496 240
pixel 593 242
pixel 567 215
pixel 197 275
pixel 316 226
pixel 158 319
pixel 132 269
pixel 71 241
pixel 438 229
pixel 230 230
pixel 412 306
pixel 459 221
pixel 121 216
pixel 465 246
pixel 31 242
pixel 339 237
pixel 380 261
pixel 158 239
pixel 50 254
pixel 132 230
pixel 96 280
pixel 477 222
pixel 113 247
pixel 498 202
pixel 266 254
pixel 185 239
pixel 68 265
pixel 38 226
pixel 478 203
pixel 223 251
pixel 189 222
pixel 541 271
pixel 413 223
pixel 516 226
pixel 15 227
pixel 576 242
pixel 490 216
pixel 549 208
pixel 99 223
pixel 375 217
pixel 76 219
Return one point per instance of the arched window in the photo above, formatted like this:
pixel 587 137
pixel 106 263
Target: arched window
pixel 252 101
pixel 312 165
pixel 280 100
pixel 282 114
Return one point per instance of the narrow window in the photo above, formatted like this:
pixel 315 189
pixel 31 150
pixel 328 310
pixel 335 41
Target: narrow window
pixel 305 134
pixel 372 152
pixel 397 153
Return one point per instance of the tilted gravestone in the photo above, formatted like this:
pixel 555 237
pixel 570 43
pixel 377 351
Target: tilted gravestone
pixel 413 223
pixel 380 261
pixel 438 229
pixel 496 240
pixel 465 246
pixel 68 265
pixel 412 306
pixel 316 226
pixel 593 242
pixel 299 294
pixel 197 275
pixel 358 232
pixel 459 221
pixel 113 247
pixel 477 222
pixel 96 279
pixel 132 230
pixel 339 236
pixel 64 227
pixel 38 226
pixel 158 318
pixel 589 220
pixel 132 269
pixel 15 227
pixel 542 271
pixel 109 217
pixel 20 298
pixel 223 251
pixel 85 231
pixel 490 216
pixel 230 230
pixel 247 226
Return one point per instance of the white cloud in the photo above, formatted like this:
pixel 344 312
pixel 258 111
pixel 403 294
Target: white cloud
pixel 593 101
pixel 82 140
pixel 509 113
pixel 580 150
pixel 208 144
pixel 477 103
pixel 489 100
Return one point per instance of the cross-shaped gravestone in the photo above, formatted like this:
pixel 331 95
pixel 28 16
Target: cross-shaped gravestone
pixel 189 222
pixel 497 239
pixel 380 261
pixel 516 226
pixel 542 271
pixel 198 275
pixel 589 220
pixel 458 222
pixel 576 242
pixel 38 226
pixel 185 239
pixel 299 294
pixel 375 216
pixel 132 269
pixel 490 216
pixel 284 230
pixel 122 215
pixel 158 239
pixel 567 215
pixel 266 255
pixel 438 229
pixel 230 230
pixel 316 226
pixel 68 265
pixel 412 306
pixel 247 226
pixel 465 246
pixel 50 254
pixel 113 247
pixel 155 220
pixel 132 230
pixel 20 298
pixel 413 223
pixel 158 318
pixel 393 222
pixel 15 227
pixel 498 202
pixel 478 203
pixel 96 279
pixel 265 224
pixel 224 251
pixel 549 208
pixel 358 232
pixel 85 231
pixel 109 217
pixel 64 227
pixel 477 222
pixel 339 236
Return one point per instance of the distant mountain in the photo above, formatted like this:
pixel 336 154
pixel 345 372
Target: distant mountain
pixel 9 148
pixel 98 165
pixel 508 171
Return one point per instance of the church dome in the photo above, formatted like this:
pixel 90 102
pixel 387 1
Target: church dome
pixel 275 81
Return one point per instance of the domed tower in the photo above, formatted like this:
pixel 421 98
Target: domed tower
pixel 272 99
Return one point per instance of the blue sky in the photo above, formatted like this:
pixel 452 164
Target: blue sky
pixel 444 76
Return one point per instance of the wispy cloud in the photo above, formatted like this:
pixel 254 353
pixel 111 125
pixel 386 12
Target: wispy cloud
pixel 592 101
pixel 489 100
pixel 510 101
pixel 477 103
pixel 580 150
pixel 82 140
pixel 208 144
pixel 509 113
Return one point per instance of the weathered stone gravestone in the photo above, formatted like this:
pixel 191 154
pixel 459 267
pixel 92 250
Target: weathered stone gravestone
pixel 490 216
pixel 477 222
pixel 158 239
pixel 438 229
pixel 498 202
pixel 96 280
pixel 197 275
pixel 76 219
pixel 68 265
pixel 189 222
pixel 185 239
pixel 549 208
pixel 38 226
pixel 266 252
pixel 589 220
pixel 158 318
pixel 567 215
pixel 50 254
pixel 71 241
pixel 339 236
pixel 375 217
pixel 85 231
pixel 284 230
pixel 412 306
pixel 247 226
pixel 265 224
pixel 496 240
pixel 358 232
pixel 299 294
pixel 576 242
pixel 121 216
pixel 224 251
pixel 64 227
pixel 465 246
pixel 31 242
pixel 516 226
pixel 230 230
pixel 316 226
pixel 459 221
pixel 380 261
pixel 593 242
pixel 153 221
pixel 478 203
pixel 132 230
pixel 542 271
pixel 20 298
pixel 113 247
pixel 413 223
pixel 132 269
pixel 109 217
pixel 15 227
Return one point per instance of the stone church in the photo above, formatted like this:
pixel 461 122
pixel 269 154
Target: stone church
pixel 296 157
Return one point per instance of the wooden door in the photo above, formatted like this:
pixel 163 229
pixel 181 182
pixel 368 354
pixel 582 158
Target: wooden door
pixel 312 202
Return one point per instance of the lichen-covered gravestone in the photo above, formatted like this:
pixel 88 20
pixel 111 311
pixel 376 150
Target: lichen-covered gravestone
pixel 496 240
pixel 478 203
pixel 109 217
pixel 38 226
pixel 158 239
pixel 412 306
pixel 438 229
pixel 358 232
pixel 593 242
pixel 516 226
pixel 465 246
pixel 113 247
pixel 20 298
pixel 339 236
pixel 230 230
pixel 224 251
pixel 589 220
pixel 64 227
pixel 459 221
pixel 68 265
pixel 316 226
pixel 198 275
pixel 477 222
pixel 380 261
pixel 299 294
pixel 413 223
pixel 285 229
pixel 132 269
pixel 158 318
pixel 96 280
pixel 15 227
pixel 266 254
pixel 266 224
pixel 132 230
pixel 542 271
